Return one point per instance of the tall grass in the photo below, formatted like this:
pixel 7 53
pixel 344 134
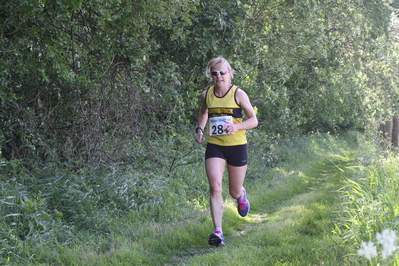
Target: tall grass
pixel 371 204
pixel 56 215
pixel 314 200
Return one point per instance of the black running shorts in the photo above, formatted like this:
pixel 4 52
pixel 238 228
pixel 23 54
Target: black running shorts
pixel 234 155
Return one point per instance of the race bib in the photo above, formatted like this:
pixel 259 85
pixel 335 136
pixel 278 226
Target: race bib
pixel 217 126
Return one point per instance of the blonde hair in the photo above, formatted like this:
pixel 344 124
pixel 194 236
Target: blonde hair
pixel 215 61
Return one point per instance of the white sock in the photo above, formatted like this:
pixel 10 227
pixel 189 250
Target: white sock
pixel 218 229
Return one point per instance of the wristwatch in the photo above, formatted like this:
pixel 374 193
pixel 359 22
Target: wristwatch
pixel 196 130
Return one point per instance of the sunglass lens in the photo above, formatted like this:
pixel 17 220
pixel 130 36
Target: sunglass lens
pixel 222 72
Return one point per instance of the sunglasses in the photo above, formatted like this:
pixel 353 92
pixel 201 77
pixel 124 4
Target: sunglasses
pixel 221 72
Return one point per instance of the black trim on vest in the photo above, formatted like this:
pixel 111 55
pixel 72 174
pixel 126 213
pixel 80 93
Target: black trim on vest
pixel 235 98
pixel 223 94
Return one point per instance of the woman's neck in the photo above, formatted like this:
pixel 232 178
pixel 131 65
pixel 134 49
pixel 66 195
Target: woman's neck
pixel 220 91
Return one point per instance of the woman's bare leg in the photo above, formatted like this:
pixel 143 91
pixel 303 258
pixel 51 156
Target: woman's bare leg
pixel 236 180
pixel 214 170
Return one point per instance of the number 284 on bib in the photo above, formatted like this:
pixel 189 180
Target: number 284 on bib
pixel 218 125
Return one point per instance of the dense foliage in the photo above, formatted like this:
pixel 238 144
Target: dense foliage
pixel 87 81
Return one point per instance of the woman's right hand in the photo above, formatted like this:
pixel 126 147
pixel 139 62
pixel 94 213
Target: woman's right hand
pixel 200 137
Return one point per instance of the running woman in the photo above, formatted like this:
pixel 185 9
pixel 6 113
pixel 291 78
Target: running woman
pixel 221 111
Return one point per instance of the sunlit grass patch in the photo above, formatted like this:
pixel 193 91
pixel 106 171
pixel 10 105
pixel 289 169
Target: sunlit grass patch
pixel 292 215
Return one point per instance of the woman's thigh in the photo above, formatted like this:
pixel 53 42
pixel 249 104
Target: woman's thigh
pixel 236 179
pixel 214 169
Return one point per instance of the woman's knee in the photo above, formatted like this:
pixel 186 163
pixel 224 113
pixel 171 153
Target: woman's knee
pixel 215 188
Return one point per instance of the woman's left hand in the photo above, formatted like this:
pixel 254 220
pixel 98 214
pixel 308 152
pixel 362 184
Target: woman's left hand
pixel 231 128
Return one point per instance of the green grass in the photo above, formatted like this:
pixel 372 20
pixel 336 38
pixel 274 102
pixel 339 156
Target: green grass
pixel 293 213
pixel 314 199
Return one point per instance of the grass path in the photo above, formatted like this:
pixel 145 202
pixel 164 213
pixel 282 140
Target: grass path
pixel 294 209
pixel 292 217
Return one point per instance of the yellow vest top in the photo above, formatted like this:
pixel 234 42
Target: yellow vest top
pixel 225 106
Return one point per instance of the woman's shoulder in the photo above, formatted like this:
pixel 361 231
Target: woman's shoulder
pixel 206 90
pixel 240 96
pixel 239 91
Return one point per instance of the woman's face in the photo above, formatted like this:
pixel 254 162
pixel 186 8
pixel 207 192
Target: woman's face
pixel 221 75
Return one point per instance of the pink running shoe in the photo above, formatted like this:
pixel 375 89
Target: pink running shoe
pixel 216 239
pixel 243 205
